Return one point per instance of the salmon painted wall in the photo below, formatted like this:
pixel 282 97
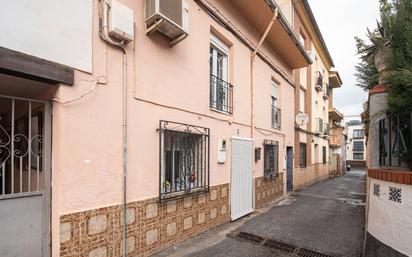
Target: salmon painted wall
pixel 163 83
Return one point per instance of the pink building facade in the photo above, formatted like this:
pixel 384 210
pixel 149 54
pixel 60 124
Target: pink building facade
pixel 210 130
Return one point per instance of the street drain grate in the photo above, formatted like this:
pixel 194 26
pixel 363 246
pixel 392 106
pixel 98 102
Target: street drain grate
pixel 251 237
pixel 309 253
pixel 278 245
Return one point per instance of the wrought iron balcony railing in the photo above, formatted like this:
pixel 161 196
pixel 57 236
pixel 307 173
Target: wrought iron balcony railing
pixel 276 117
pixel 395 141
pixel 327 91
pixel 319 81
pixel 221 95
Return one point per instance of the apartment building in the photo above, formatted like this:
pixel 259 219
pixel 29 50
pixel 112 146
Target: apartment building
pixel 313 97
pixel 126 128
pixel 356 144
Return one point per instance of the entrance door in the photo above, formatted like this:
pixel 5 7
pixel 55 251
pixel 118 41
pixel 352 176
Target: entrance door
pixel 241 178
pixel 289 168
pixel 24 177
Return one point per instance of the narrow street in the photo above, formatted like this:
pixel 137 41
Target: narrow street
pixel 327 217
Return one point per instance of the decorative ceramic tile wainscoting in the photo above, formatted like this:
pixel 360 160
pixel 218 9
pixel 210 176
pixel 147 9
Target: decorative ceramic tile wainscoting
pixel 268 190
pixel 151 226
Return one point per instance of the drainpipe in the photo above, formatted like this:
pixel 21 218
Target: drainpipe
pixel 252 60
pixel 104 35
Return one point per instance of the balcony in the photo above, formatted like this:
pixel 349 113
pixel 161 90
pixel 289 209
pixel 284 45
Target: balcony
pixel 335 140
pixel 319 81
pixel 395 141
pixel 319 126
pixel 335 115
pixel 326 93
pixel 221 95
pixel 276 117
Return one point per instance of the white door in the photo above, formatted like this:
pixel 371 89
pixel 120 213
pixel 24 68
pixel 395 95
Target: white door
pixel 241 178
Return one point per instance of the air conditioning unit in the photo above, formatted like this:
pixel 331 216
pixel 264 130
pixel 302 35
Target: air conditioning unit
pixel 121 21
pixel 169 17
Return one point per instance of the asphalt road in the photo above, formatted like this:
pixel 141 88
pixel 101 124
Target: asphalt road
pixel 327 217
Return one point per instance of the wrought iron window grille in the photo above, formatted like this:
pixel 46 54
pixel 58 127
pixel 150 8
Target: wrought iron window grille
pixel 221 95
pixel 184 159
pixel 276 117
pixel 271 159
pixel 395 141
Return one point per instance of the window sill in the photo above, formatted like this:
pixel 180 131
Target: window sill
pixel 221 112
pixel 165 197
pixel 276 127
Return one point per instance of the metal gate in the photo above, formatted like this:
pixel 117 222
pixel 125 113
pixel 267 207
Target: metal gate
pixel 241 178
pixel 24 177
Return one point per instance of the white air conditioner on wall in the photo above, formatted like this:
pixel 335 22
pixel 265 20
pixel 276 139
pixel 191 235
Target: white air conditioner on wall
pixel 169 17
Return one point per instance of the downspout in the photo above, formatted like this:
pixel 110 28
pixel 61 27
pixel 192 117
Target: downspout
pixel 252 60
pixel 252 92
pixel 103 33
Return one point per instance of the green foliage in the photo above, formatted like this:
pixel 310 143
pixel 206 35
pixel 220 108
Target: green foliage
pixel 400 73
pixel 393 31
pixel 367 75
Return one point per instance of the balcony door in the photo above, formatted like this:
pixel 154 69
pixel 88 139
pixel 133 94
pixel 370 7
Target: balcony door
pixel 219 74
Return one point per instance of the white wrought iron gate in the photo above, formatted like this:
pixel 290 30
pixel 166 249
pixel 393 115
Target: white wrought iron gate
pixel 24 177
pixel 241 178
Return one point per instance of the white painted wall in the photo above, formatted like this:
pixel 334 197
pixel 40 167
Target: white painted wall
pixel 391 222
pixel 349 143
pixel 55 30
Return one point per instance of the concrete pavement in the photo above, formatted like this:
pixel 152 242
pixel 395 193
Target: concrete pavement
pixel 327 217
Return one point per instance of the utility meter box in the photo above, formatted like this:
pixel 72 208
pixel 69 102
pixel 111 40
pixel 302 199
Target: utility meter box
pixel 121 21
pixel 221 150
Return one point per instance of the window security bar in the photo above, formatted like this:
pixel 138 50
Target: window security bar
pixel 184 159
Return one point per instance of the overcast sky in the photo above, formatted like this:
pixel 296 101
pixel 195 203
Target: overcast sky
pixel 340 21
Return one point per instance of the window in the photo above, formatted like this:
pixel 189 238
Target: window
pixel 275 106
pixel 303 150
pixel 302 101
pixel 358 133
pixel 358 156
pixel 324 154
pixel 221 92
pixel 271 159
pixel 184 156
pixel 358 146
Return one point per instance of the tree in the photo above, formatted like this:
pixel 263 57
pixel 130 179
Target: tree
pixel 400 74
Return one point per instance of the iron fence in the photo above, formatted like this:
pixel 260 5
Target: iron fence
pixel 184 159
pixel 276 117
pixel 395 141
pixel 221 95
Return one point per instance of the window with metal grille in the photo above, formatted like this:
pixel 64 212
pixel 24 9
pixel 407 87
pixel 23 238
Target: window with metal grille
pixel 271 158
pixel 184 159
pixel 358 146
pixel 303 150
pixel 221 92
pixel 276 112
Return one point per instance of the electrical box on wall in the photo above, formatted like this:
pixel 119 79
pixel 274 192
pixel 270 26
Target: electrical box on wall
pixel 221 150
pixel 121 21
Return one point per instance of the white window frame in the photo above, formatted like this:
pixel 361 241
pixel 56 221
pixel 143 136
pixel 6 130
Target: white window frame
pixel 218 46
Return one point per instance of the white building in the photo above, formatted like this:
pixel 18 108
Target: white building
pixel 356 144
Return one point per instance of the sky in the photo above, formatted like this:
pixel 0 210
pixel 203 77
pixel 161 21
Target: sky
pixel 340 21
